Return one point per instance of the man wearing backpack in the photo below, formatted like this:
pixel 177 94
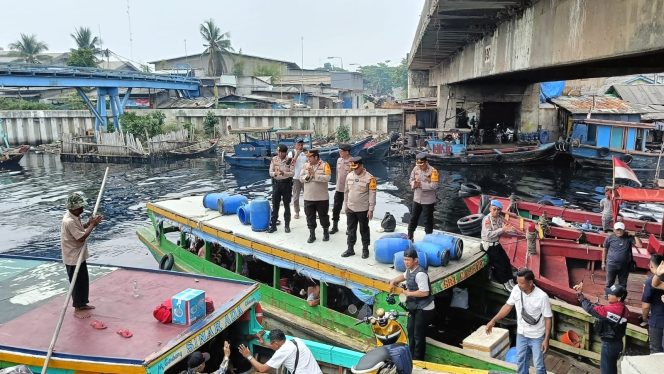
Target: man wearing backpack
pixel 611 324
pixel 534 316
pixel 293 354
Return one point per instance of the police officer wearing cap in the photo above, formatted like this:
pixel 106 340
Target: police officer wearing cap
pixel 315 177
pixel 611 321
pixel 419 302
pixel 493 226
pixel 360 197
pixel 281 171
pixel 343 168
pixel 424 182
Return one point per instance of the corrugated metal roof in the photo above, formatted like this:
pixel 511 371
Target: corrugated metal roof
pixel 641 93
pixel 597 104
pixel 175 103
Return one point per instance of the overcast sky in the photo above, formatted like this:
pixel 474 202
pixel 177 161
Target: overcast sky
pixel 359 31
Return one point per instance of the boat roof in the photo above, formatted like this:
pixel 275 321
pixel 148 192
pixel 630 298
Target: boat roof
pixel 321 258
pixel 640 194
pixel 462 130
pixel 295 132
pixel 33 294
pixel 251 129
pixel 603 122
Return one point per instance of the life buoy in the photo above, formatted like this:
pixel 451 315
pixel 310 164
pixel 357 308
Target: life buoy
pixel 603 152
pixel 626 158
pixel 167 262
pixel 258 312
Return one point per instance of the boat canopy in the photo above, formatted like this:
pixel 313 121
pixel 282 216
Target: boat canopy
pixel 632 194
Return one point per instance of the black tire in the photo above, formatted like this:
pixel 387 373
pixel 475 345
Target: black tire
pixel 470 221
pixel 464 194
pixel 647 219
pixel 471 188
pixel 459 253
pixel 626 159
pixel 167 262
pixel 446 259
pixel 603 152
pixel 484 204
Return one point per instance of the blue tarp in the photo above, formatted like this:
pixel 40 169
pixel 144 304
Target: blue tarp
pixel 549 90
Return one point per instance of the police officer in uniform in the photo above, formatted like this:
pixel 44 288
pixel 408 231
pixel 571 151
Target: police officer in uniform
pixel 343 168
pixel 419 302
pixel 360 197
pixel 281 171
pixel 315 177
pixel 424 182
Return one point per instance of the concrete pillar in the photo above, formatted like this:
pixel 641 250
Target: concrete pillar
pixel 379 123
pixel 529 121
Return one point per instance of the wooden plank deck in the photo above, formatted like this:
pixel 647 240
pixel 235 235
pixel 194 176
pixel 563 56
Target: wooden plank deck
pixel 326 256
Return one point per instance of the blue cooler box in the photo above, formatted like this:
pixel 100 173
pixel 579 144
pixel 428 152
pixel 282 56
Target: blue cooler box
pixel 188 306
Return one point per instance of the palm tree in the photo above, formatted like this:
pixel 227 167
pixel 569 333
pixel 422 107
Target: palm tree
pixel 29 48
pixel 85 40
pixel 215 43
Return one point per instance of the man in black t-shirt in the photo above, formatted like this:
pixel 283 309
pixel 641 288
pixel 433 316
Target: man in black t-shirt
pixel 652 308
pixel 617 255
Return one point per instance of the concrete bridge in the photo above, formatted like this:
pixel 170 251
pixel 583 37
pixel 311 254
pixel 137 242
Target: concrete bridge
pixel 478 51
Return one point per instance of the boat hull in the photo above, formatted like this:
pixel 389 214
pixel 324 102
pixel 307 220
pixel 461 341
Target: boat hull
pixel 602 158
pixel 506 156
pixel 375 152
pixel 247 162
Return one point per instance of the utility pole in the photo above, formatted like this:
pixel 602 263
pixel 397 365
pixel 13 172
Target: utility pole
pixel 131 38
pixel 302 69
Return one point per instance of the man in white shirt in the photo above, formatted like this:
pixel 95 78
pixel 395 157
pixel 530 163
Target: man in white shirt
pixel 299 157
pixel 293 354
pixel 534 316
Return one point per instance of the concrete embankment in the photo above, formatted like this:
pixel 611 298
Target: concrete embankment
pixel 45 126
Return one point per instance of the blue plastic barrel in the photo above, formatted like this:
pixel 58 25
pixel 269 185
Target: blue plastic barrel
pixel 260 214
pixel 436 255
pixel 384 249
pixel 399 235
pixel 244 214
pixel 400 266
pixel 449 242
pixel 223 202
pixel 511 356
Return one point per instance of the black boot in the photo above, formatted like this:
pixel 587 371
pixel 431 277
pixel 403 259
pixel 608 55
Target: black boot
pixel 365 252
pixel 335 228
pixel 410 236
pixel 312 236
pixel 287 228
pixel 349 252
pixel 272 228
pixel 326 235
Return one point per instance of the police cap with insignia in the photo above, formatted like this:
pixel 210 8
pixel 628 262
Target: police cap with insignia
pixel 344 147
pixel 355 162
pixel 282 148
pixel 421 158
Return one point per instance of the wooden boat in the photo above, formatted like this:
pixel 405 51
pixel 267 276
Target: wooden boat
pixel 443 154
pixel 202 148
pixel 251 153
pixel 33 290
pixel 12 156
pixel 594 143
pixel 377 151
pixel 277 256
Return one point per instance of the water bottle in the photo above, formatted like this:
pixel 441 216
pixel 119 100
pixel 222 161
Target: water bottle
pixel 135 289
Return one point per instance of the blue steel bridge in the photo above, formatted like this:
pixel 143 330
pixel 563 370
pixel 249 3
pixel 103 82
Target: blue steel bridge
pixel 107 83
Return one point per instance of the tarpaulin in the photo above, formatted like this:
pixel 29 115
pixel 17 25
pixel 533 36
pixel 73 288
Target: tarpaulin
pixel 549 90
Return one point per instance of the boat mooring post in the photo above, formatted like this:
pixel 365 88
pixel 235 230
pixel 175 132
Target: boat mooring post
pixel 72 283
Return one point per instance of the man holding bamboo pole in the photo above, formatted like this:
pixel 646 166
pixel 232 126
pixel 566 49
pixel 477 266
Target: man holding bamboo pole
pixel 73 237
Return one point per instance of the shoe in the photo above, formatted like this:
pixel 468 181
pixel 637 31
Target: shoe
pixel 326 235
pixel 272 229
pixel 410 236
pixel 335 229
pixel 287 228
pixel 349 252
pixel 365 252
pixel 297 216
pixel 312 236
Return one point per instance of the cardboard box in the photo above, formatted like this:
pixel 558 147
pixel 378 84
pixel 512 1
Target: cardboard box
pixel 490 345
pixel 188 306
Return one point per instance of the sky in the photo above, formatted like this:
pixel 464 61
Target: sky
pixel 362 32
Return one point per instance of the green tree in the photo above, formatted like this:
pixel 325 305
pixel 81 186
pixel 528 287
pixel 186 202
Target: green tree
pixel 270 70
pixel 215 42
pixel 82 57
pixel 381 78
pixel 137 125
pixel 29 48
pixel 209 123
pixel 238 68
pixel 87 48
pixel 329 67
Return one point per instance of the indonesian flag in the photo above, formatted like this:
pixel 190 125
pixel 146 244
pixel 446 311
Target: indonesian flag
pixel 622 171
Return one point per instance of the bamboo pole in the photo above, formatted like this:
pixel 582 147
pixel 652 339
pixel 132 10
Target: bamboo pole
pixel 73 282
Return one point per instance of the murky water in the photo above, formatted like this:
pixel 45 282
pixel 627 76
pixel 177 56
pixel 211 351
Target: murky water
pixel 32 197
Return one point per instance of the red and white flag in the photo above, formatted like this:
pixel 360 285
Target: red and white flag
pixel 622 171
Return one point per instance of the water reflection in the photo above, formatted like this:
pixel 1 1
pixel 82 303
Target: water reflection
pixel 32 196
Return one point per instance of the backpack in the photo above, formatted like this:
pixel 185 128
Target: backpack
pixel 164 312
pixel 389 223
